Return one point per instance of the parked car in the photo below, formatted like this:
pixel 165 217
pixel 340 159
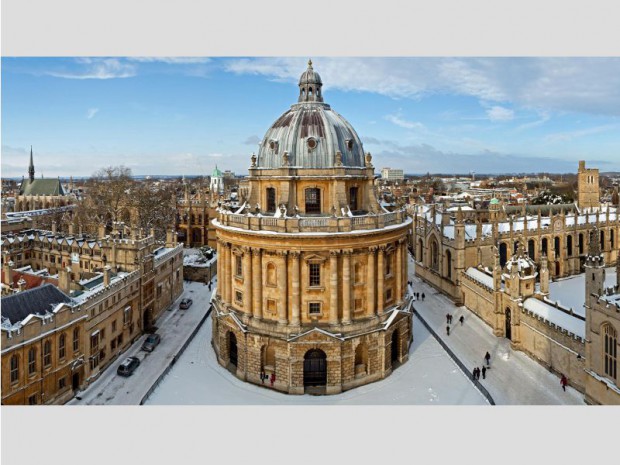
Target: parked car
pixel 186 303
pixel 151 341
pixel 128 366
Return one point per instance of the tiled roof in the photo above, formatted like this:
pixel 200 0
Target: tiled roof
pixel 41 187
pixel 32 280
pixel 38 301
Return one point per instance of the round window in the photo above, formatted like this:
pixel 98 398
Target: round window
pixel 311 143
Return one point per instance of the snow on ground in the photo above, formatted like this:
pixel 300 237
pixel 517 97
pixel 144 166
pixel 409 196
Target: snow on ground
pixel 175 327
pixel 571 291
pixel 429 377
pixel 514 378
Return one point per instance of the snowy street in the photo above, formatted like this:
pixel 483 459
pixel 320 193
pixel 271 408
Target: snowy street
pixel 514 378
pixel 174 326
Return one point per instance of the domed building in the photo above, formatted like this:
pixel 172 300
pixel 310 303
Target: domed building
pixel 312 271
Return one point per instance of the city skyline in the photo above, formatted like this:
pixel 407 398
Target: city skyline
pixel 176 116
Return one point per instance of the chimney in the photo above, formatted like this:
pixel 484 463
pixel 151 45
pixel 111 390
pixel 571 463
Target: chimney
pixel 101 231
pixel 64 279
pixel 70 229
pixel 8 273
pixel 107 275
pixel 54 227
pixel 21 284
pixel 170 237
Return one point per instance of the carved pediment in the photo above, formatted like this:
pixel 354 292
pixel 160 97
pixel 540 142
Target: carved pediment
pixel 314 258
pixel 316 335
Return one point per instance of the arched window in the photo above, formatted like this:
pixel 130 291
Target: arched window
pixel 545 245
pixel 32 361
pixel 361 360
pixel 353 199
pixel 503 254
pixel 271 274
pixel 515 247
pixel 610 351
pixel 581 244
pixel 61 345
pixel 313 200
pixel 76 339
pixel 271 200
pixel 611 238
pixel 47 353
pixel 531 248
pixel 569 245
pixel 14 369
pixel 448 264
pixel 434 255
pixel 556 246
pixel 602 240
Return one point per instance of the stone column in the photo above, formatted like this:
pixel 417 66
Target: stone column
pixel 333 287
pixel 257 278
pixel 296 303
pixel 228 273
pixel 247 280
pixel 380 279
pixel 399 272
pixel 346 286
pixel 370 282
pixel 283 284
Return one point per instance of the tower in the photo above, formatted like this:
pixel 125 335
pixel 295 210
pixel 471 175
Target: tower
pixel 595 267
pixel 31 167
pixel 587 187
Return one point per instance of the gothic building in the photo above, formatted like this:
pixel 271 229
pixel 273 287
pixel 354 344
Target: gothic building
pixel 312 270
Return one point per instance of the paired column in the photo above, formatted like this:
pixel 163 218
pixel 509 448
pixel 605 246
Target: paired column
pixel 399 272
pixel 346 286
pixel 228 273
pixel 257 278
pixel 247 280
pixel 296 283
pixel 283 285
pixel 381 279
pixel 333 287
pixel 370 282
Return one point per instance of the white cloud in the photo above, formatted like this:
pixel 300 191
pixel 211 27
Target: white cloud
pixel 399 121
pixel 571 135
pixel 91 113
pixel 544 117
pixel 589 85
pixel 172 60
pixel 497 113
pixel 98 68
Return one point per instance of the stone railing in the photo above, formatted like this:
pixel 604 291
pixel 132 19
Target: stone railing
pixel 313 224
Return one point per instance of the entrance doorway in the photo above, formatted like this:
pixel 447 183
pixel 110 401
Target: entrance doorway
pixel 232 348
pixel 75 382
pixel 147 319
pixel 508 323
pixel 395 351
pixel 315 368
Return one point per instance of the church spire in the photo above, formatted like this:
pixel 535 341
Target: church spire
pixel 31 167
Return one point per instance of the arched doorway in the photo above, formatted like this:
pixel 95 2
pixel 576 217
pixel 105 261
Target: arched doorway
pixel 395 351
pixel 557 269
pixel 508 323
pixel 147 319
pixel 315 368
pixel 503 254
pixel 531 249
pixel 232 348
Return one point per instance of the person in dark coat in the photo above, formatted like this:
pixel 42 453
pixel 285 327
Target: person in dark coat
pixel 477 373
pixel 448 329
pixel 487 357
pixel 272 379
pixel 484 372
pixel 263 376
pixel 447 318
pixel 473 374
pixel 462 319
pixel 563 382
pixel 422 295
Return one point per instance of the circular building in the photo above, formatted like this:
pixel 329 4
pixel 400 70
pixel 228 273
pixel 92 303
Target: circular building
pixel 312 271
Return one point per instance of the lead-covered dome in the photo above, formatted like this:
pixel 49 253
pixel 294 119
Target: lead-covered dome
pixel 310 133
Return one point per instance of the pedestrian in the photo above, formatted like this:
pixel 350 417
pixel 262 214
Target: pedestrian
pixel 484 372
pixel 447 318
pixel 450 319
pixel 487 357
pixel 476 373
pixel 462 319
pixel 263 376
pixel 563 382
pixel 448 329
pixel 272 379
pixel 473 374
pixel 422 295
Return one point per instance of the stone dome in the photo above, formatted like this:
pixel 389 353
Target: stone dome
pixel 311 133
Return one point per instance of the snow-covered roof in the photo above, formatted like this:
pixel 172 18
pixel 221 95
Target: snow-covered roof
pixel 480 276
pixel 557 317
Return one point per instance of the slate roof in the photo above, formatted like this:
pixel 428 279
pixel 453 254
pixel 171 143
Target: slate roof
pixel 41 187
pixel 39 301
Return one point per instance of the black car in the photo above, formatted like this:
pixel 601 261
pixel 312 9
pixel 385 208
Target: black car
pixel 185 304
pixel 151 342
pixel 128 366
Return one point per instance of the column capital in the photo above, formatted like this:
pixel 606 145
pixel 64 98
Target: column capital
pixel 256 251
pixel 282 253
pixel 401 240
pixel 382 248
pixel 347 252
pixel 334 253
pixel 372 249
pixel 295 254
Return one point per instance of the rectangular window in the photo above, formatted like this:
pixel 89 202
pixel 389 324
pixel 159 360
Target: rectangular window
pixel 239 297
pixel 32 362
pixel 47 354
pixel 112 345
pixel 271 200
pixel 388 264
pixel 62 382
pixel 114 326
pixel 314 308
pixel 61 346
pixel 358 305
pixel 271 306
pixel 76 340
pixel 353 198
pixel 238 266
pixel 314 272
pixel 119 340
pixel 388 295
pixel 14 369
pixel 159 289
pixel 127 316
pixel 313 201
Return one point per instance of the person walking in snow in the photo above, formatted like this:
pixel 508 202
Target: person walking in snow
pixel 272 379
pixel 422 295
pixel 448 329
pixel 563 382
pixel 447 318
pixel 487 357
pixel 477 373
pixel 473 374
pixel 263 376
pixel 484 372
pixel 462 319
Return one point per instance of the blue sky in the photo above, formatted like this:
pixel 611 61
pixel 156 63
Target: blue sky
pixel 184 115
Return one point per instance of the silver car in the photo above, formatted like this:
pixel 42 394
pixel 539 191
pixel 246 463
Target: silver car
pixel 151 341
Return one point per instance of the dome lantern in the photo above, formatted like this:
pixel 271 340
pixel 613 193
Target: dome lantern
pixel 310 85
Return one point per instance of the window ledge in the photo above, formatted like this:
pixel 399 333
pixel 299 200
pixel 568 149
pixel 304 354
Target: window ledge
pixel 316 288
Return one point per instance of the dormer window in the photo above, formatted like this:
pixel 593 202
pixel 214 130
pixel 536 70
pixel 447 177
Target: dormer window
pixel 273 145
pixel 312 143
pixel 349 143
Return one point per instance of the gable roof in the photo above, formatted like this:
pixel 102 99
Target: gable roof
pixel 32 280
pixel 38 301
pixel 41 187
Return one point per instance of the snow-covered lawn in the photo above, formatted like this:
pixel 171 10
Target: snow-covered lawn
pixel 571 291
pixel 429 377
